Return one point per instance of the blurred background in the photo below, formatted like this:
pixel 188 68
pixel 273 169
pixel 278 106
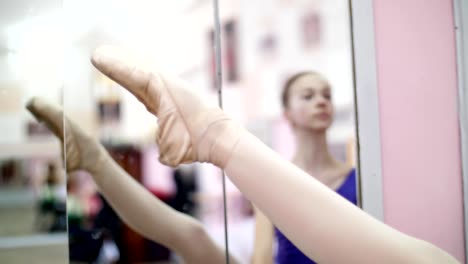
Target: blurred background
pixel 32 183
pixel 45 48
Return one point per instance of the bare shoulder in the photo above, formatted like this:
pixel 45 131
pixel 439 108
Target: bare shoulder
pixel 340 174
pixel 261 219
pixel 345 169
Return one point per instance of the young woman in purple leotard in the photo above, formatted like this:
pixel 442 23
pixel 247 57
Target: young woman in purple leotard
pixel 307 104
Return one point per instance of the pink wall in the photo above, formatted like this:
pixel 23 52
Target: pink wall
pixel 416 64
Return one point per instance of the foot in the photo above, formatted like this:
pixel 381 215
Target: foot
pixel 82 151
pixel 189 129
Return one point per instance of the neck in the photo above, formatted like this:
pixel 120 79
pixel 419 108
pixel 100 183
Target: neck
pixel 312 153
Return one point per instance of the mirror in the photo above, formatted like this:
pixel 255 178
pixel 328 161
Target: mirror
pixel 264 44
pixel 106 227
pixel 32 180
pixel 45 51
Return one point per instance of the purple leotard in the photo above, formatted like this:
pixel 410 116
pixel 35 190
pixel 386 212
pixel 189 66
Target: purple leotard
pixel 290 254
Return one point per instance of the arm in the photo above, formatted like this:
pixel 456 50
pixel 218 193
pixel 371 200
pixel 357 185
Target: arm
pixel 135 205
pixel 190 130
pixel 263 244
pixel 337 225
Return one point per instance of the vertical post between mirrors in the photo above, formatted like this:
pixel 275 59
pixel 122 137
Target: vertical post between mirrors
pixel 461 33
pixel 367 107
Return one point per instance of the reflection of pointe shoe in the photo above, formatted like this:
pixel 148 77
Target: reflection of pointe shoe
pixel 189 129
pixel 82 151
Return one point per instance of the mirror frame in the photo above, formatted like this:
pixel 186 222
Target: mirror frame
pixel 460 10
pixel 367 107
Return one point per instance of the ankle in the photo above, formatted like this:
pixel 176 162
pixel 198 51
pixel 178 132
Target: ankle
pixel 217 142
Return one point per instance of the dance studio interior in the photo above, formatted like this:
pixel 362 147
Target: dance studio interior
pixel 365 99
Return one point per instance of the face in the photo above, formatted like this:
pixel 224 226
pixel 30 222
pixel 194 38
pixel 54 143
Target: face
pixel 310 105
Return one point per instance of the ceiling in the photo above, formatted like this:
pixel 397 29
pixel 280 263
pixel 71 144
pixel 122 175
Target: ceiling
pixel 14 11
pixel 90 21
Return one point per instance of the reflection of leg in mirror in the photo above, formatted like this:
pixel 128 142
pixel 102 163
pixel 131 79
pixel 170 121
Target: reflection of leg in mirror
pixel 135 205
pixel 334 231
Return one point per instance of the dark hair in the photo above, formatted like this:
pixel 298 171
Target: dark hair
pixel 287 85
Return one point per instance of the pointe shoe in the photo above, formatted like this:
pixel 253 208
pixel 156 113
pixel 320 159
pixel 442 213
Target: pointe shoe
pixel 189 129
pixel 82 151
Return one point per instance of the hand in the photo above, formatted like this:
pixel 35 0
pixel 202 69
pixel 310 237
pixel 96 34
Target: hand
pixel 189 129
pixel 82 151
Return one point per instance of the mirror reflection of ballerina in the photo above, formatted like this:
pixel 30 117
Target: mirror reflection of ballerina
pixel 321 223
pixel 307 103
pixel 52 215
pixel 135 205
